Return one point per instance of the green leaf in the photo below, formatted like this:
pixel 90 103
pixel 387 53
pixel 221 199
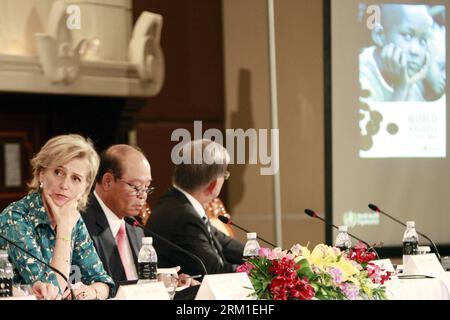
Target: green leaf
pixel 305 270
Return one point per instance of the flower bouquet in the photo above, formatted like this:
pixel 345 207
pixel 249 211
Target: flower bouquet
pixel 324 273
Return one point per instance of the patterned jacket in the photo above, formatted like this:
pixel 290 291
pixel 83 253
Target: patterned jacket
pixel 27 224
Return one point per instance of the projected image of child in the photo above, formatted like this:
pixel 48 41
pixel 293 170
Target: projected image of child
pixel 395 66
pixel 433 86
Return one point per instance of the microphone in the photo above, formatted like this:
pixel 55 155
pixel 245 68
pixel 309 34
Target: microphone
pixel 228 221
pixel 376 209
pixel 312 214
pixel 69 285
pixel 133 222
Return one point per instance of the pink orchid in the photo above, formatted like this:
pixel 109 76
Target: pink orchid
pixel 265 252
pixel 246 267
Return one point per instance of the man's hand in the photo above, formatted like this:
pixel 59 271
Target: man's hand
pixel 185 280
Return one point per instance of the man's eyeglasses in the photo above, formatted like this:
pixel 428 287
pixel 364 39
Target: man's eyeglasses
pixel 138 190
pixel 226 175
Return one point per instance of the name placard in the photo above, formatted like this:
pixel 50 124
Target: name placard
pixel 385 264
pixel 143 291
pixel 226 286
pixel 422 264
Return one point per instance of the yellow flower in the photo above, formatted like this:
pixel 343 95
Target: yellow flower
pixel 347 268
pixel 323 255
pixel 305 253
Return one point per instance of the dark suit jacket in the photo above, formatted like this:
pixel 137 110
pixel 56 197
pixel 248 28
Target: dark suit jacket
pixel 176 219
pixel 105 244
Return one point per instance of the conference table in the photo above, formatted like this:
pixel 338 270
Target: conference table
pixel 419 289
pixel 396 289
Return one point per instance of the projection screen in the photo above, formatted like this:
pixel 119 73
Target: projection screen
pixel 389 118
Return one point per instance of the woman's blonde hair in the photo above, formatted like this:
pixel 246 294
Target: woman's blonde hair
pixel 61 150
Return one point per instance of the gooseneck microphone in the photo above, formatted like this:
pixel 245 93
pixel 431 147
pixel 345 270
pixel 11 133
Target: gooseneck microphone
pixel 44 263
pixel 133 222
pixel 228 221
pixel 376 209
pixel 312 214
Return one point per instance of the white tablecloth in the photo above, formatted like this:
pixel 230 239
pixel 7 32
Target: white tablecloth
pixel 419 289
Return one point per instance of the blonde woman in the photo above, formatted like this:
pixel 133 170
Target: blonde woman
pixel 47 221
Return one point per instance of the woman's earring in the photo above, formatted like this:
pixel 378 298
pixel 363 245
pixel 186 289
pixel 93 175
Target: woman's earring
pixel 41 185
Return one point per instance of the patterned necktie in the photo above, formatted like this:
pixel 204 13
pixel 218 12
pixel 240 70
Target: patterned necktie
pixel 121 245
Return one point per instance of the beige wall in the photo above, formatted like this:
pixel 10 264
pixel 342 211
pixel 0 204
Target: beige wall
pixel 299 42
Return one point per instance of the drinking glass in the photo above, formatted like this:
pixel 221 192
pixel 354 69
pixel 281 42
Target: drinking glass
pixel 170 282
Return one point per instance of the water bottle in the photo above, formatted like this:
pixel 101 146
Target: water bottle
pixel 410 239
pixel 343 240
pixel 6 275
pixel 251 248
pixel 410 247
pixel 147 260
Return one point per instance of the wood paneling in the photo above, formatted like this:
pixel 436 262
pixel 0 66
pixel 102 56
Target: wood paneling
pixel 194 86
pixel 192 44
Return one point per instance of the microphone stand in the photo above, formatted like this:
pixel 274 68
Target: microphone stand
pixel 228 221
pixel 312 214
pixel 376 209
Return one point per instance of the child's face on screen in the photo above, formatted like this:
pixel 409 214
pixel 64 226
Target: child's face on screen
pixel 436 74
pixel 408 27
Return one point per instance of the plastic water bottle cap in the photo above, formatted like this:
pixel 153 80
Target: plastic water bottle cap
pixel 410 224
pixel 343 228
pixel 251 235
pixel 147 240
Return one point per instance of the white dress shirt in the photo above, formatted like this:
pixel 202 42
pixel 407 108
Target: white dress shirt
pixel 197 205
pixel 114 225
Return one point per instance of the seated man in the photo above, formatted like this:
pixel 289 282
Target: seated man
pixel 122 185
pixel 180 215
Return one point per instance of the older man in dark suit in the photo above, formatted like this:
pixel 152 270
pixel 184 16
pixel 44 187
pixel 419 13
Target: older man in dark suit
pixel 180 215
pixel 121 189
